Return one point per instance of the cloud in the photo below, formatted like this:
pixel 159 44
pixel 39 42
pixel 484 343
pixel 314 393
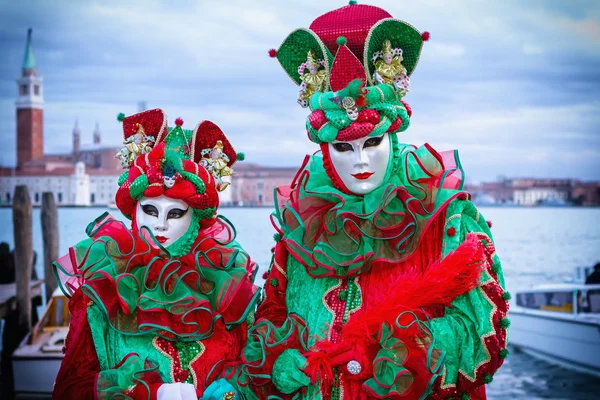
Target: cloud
pixel 532 50
pixel 443 50
pixel 512 84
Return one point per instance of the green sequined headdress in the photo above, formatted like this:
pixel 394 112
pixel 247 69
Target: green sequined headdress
pixel 353 66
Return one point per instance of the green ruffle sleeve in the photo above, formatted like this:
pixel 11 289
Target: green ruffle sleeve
pixel 472 331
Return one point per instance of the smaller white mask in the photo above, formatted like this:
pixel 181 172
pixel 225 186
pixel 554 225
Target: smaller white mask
pixel 362 163
pixel 168 219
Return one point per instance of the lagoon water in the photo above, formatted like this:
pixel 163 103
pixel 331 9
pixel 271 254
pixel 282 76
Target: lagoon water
pixel 535 245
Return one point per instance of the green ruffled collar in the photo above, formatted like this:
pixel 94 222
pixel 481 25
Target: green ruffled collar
pixel 333 233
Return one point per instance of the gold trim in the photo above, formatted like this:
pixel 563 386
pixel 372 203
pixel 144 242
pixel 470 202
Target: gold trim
pixel 350 312
pixel 331 289
pixel 193 141
pixel 455 216
pixel 319 131
pixel 482 340
pixel 162 129
pixel 323 50
pixel 381 95
pixel 381 122
pixel 172 361
pixel 490 261
pixel 280 269
pixel 164 353
pixel 193 360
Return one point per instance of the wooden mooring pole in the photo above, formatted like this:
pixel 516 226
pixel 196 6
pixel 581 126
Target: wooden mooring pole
pixel 50 238
pixel 22 227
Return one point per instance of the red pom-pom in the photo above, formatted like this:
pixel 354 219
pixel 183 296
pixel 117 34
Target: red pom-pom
pixel 178 122
pixel 425 36
pixel 489 223
pixel 265 275
pixel 272 53
pixel 451 231
pixel 462 196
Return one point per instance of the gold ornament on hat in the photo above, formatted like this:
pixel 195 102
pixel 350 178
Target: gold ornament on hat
pixel 215 161
pixel 387 47
pixel 135 145
pixel 389 68
pixel 312 81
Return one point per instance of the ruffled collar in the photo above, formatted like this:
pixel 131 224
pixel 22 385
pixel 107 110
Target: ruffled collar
pixel 142 290
pixel 333 233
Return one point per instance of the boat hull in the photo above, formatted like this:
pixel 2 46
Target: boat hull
pixel 564 340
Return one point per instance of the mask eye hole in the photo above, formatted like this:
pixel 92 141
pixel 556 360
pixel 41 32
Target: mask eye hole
pixel 176 213
pixel 342 147
pixel 373 142
pixel 150 210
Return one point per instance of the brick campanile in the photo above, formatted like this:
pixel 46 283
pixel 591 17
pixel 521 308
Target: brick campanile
pixel 30 110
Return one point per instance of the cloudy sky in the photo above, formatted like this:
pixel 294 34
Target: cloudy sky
pixel 514 85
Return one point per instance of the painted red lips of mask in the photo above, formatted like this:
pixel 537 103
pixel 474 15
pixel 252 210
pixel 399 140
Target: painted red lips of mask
pixel 363 175
pixel 161 239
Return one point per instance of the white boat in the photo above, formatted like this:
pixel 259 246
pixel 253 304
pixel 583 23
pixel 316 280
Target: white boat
pixel 559 323
pixel 37 359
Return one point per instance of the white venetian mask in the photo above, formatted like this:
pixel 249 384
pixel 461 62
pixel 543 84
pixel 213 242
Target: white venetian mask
pixel 362 163
pixel 168 219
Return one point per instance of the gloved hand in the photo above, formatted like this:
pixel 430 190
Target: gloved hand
pixel 177 391
pixel 287 372
pixel 219 390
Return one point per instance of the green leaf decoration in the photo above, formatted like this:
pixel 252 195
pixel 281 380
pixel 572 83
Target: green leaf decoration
pixel 294 50
pixel 401 35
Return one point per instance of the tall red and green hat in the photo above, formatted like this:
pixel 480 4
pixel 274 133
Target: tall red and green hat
pixel 344 41
pixel 173 165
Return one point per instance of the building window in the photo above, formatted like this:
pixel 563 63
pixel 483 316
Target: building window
pixel 23 90
pixel 37 197
pixel 36 90
pixel 93 198
pixel 60 197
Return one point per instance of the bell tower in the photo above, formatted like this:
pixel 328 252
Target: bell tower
pixel 30 110
pixel 97 135
pixel 76 141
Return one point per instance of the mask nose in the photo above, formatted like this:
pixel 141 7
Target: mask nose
pixel 361 159
pixel 161 225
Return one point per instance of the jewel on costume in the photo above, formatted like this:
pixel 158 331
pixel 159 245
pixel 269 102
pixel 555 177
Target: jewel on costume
pixel 348 104
pixel 354 367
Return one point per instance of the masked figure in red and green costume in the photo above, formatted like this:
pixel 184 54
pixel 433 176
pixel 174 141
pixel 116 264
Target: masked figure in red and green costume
pixel 384 281
pixel 155 307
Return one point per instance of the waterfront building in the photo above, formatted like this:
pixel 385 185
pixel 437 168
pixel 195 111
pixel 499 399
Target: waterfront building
pixel 87 176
